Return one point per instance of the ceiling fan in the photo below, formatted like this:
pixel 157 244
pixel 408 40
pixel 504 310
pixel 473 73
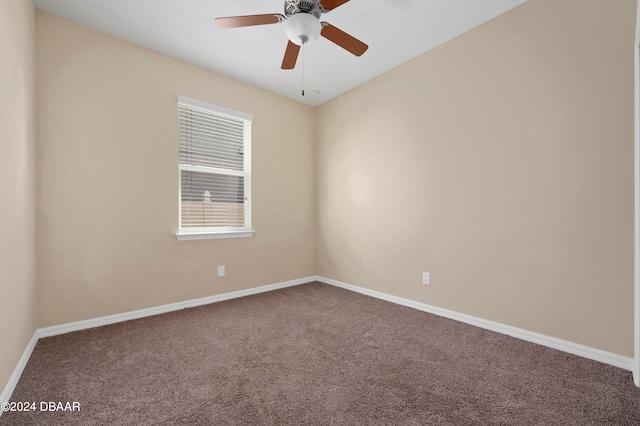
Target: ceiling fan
pixel 303 26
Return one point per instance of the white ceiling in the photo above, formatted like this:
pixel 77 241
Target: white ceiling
pixel 395 30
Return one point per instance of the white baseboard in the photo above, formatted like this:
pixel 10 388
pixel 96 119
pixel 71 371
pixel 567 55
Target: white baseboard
pixel 541 339
pixel 141 313
pixel 17 372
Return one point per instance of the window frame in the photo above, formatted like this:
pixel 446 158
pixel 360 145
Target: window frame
pixel 205 233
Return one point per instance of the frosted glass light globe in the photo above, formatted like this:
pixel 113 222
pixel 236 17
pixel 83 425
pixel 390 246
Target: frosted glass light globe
pixel 303 28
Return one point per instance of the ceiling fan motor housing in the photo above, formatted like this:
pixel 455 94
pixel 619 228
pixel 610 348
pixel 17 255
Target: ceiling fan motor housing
pixel 312 7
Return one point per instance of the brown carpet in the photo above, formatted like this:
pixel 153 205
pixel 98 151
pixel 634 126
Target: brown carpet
pixel 315 354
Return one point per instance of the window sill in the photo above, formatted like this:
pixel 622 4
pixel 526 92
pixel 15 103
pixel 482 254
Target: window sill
pixel 187 236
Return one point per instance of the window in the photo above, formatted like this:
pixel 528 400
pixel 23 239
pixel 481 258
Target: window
pixel 215 171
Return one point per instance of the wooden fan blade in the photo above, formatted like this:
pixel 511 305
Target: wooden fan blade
pixel 332 4
pixel 249 20
pixel 343 39
pixel 290 56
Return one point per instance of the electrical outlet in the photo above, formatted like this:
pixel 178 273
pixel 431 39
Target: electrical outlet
pixel 426 278
pixel 221 271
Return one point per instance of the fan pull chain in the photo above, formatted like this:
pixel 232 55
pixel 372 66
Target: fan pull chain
pixel 303 61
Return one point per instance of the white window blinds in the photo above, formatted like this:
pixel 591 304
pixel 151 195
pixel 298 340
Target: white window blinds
pixel 215 168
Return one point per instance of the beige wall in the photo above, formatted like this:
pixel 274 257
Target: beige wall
pixel 108 155
pixel 502 163
pixel 17 182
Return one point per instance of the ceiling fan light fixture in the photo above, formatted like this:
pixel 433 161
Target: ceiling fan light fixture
pixel 303 28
